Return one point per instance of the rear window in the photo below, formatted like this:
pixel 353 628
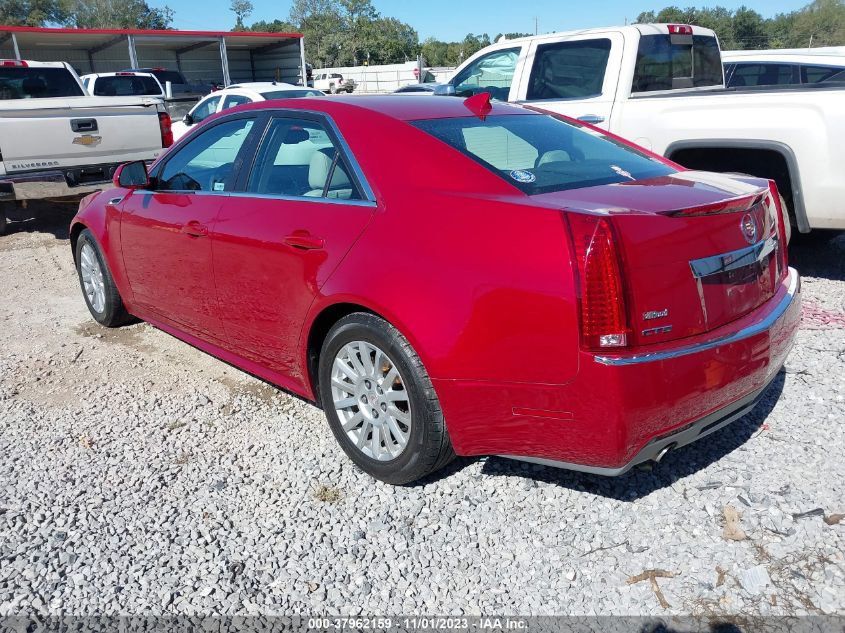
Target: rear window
pixel 667 62
pixel 818 74
pixel 168 75
pixel 291 94
pixel 37 83
pixel 126 85
pixel 569 70
pixel 762 75
pixel 541 154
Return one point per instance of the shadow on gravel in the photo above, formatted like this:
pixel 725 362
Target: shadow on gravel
pixel 676 465
pixel 819 255
pixel 42 217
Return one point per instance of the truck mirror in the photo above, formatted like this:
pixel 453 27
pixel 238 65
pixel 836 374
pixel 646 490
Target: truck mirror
pixel 188 119
pixel 132 175
pixel 445 90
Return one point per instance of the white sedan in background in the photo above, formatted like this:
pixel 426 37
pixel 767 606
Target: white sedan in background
pixel 235 95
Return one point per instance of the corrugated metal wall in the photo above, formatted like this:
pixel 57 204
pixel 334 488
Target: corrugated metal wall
pixel 280 63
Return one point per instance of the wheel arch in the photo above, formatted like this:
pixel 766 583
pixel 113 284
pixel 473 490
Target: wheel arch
pixel 678 149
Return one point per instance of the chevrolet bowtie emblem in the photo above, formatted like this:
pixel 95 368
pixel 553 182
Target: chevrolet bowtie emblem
pixel 87 140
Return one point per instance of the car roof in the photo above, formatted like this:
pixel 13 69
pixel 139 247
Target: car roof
pixel 403 108
pixel 265 85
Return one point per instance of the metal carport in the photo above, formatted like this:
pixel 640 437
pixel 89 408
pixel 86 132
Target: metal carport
pixel 202 56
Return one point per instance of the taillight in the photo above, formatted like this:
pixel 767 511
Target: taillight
pixel 604 320
pixel 773 202
pixel 164 124
pixel 18 63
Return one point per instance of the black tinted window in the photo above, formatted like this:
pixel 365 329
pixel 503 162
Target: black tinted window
pixel 762 75
pixel 491 73
pixel 817 74
pixel 540 154
pixel 569 70
pixel 122 85
pixel 37 83
pixel 686 62
pixel 168 75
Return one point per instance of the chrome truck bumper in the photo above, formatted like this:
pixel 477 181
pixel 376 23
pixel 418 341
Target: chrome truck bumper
pixel 54 183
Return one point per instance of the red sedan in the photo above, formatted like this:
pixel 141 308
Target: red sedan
pixel 454 277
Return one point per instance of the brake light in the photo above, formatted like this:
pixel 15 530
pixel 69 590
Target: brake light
pixel 18 63
pixel 773 201
pixel 164 124
pixel 680 29
pixel 125 74
pixel 603 315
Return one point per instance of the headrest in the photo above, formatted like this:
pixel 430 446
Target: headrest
pixel 318 171
pixel 295 136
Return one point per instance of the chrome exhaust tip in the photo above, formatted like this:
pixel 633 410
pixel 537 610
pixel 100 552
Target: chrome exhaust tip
pixel 663 452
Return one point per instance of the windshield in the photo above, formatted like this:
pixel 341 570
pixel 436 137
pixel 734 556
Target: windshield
pixel 123 85
pixel 37 83
pixel 541 154
pixel 291 94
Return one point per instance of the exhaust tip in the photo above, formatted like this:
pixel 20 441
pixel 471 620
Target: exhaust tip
pixel 663 452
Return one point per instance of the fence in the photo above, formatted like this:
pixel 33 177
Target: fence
pixel 385 79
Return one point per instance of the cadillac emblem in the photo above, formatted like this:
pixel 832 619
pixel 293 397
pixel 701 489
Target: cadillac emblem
pixel 748 226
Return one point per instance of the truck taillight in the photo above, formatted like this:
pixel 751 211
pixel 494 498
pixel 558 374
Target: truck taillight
pixel 773 202
pixel 680 29
pixel 165 123
pixel 18 63
pixel 604 320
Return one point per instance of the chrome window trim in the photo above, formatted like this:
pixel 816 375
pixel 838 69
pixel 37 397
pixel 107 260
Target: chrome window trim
pixel 369 195
pixel 273 196
pixel 733 260
pixel 751 330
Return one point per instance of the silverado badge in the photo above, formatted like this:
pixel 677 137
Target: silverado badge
pixel 87 140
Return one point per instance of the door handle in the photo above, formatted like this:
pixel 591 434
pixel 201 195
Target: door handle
pixel 592 119
pixel 304 240
pixel 194 229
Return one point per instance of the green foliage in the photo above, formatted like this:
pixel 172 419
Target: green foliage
pixel 116 14
pixel 242 9
pixel 32 12
pixel 821 23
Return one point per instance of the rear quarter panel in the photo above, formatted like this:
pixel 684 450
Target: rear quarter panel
pixel 476 278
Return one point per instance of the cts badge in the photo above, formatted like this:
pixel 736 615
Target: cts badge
pixel 748 226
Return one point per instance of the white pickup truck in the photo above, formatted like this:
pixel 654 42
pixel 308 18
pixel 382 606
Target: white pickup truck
pixel 57 142
pixel 662 86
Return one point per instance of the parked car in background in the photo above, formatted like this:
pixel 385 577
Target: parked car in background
pixel 180 86
pixel 122 84
pixel 609 307
pixel 662 86
pixel 333 83
pixel 418 89
pixel 238 94
pixel 58 141
pixel 787 67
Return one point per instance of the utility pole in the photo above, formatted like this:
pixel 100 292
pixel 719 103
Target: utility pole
pixel 536 24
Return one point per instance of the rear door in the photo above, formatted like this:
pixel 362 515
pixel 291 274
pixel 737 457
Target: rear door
pixel 279 238
pixel 574 76
pixel 165 232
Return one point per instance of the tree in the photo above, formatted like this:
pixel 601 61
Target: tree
pixel 117 14
pixel 276 26
pixel 242 9
pixel 32 12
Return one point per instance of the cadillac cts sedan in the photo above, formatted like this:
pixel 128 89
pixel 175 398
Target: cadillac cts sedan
pixel 451 277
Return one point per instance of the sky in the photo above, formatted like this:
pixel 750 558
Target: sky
pixel 451 20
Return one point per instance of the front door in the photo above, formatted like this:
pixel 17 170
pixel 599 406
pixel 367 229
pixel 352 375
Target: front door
pixel 165 232
pixel 277 242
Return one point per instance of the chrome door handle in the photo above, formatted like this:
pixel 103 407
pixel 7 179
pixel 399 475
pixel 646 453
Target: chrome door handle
pixel 304 241
pixel 592 119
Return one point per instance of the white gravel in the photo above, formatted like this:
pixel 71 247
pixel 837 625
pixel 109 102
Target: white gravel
pixel 138 475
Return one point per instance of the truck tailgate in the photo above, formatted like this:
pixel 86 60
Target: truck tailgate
pixel 73 131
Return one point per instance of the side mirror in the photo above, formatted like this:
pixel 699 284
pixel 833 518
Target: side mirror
pixel 132 175
pixel 445 90
pixel 188 119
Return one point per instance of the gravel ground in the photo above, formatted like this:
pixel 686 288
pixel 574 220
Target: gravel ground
pixel 139 475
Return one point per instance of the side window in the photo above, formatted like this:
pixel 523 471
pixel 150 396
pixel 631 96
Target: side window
pixel 298 158
pixel 569 70
pixel 205 109
pixel 491 73
pixel 761 75
pixel 206 163
pixel 816 74
pixel 235 100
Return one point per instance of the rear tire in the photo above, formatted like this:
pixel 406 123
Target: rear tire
pixel 3 220
pixel 98 287
pixel 385 415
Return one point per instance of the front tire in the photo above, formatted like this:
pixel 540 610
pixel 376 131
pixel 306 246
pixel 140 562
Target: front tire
pixel 98 287
pixel 3 219
pixel 380 402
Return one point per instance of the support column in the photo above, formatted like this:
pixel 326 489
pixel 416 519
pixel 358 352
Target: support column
pixel 224 60
pixel 302 62
pixel 15 46
pixel 133 56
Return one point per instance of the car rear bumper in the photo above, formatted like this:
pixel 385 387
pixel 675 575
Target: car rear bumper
pixel 625 409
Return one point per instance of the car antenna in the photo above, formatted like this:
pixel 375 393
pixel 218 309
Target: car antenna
pixel 479 104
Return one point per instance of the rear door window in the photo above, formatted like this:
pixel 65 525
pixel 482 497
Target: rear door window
pixel 667 62
pixel 762 75
pixel 818 74
pixel 569 70
pixel 491 73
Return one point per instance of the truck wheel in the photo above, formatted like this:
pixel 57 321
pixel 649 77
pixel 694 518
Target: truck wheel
pixel 2 220
pixel 380 402
pixel 333 89
pixel 98 287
